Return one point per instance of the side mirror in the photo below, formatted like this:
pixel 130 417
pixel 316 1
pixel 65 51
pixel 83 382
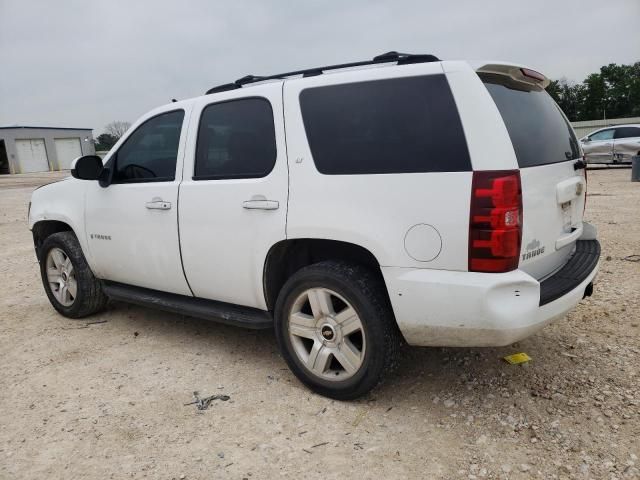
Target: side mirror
pixel 585 139
pixel 88 167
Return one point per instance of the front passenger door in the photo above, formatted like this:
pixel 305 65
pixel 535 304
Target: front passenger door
pixel 599 149
pixel 132 225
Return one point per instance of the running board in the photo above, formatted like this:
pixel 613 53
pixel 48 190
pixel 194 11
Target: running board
pixel 220 312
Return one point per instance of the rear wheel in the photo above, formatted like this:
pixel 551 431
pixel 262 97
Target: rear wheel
pixel 336 330
pixel 68 281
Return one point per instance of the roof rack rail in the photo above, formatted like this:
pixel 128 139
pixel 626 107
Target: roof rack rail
pixel 399 58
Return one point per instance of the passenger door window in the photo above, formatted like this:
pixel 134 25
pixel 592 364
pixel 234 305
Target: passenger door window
pixel 627 132
pixel 150 153
pixel 236 139
pixel 603 135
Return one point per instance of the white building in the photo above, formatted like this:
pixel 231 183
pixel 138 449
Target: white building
pixel 40 149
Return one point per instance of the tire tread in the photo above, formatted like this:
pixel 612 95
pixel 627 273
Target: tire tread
pixel 372 291
pixel 91 297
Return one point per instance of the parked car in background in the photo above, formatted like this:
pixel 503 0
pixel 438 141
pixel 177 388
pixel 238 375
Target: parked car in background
pixel 612 144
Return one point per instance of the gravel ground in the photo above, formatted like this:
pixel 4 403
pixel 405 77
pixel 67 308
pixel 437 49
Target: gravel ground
pixel 81 399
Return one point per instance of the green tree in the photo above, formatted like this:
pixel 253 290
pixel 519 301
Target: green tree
pixel 105 141
pixel 594 102
pixel 568 96
pixel 614 92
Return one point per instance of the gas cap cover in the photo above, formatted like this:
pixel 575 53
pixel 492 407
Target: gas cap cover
pixel 423 243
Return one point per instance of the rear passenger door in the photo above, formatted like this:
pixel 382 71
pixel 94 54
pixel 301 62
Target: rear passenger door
pixel 233 198
pixel 626 143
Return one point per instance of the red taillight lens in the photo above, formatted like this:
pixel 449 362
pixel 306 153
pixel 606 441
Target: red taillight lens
pixel 495 224
pixel 527 72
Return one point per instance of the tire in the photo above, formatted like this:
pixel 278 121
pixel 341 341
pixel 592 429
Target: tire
pixel 88 298
pixel 340 355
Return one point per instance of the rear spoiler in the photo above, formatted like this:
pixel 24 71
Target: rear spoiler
pixel 519 73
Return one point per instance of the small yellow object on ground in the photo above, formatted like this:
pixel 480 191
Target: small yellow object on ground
pixel 517 358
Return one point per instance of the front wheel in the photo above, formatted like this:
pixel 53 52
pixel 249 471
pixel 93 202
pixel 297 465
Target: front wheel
pixel 336 329
pixel 68 281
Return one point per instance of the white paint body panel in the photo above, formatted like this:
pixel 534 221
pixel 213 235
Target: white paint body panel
pixel 32 155
pixel 545 222
pixel 224 245
pixel 446 308
pixel 67 149
pixel 373 211
pixel 487 137
pixel 62 201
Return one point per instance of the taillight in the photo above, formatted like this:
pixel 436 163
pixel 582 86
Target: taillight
pixel 495 223
pixel 527 72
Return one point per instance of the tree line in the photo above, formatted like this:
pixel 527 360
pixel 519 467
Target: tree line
pixel 614 92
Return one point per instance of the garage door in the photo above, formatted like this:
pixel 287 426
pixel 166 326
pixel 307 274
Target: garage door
pixel 32 155
pixel 67 149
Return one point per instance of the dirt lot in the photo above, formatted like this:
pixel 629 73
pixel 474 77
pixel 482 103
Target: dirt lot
pixel 106 400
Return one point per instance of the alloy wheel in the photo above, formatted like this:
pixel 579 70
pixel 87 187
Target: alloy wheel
pixel 327 334
pixel 61 277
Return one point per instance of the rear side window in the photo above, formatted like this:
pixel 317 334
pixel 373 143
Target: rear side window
pixel 538 130
pixel 400 125
pixel 236 139
pixel 627 132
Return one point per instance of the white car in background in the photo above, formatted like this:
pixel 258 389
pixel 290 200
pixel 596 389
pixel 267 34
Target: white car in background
pixel 612 144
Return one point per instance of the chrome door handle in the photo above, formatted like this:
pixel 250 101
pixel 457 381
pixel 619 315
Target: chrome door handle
pixel 261 204
pixel 158 204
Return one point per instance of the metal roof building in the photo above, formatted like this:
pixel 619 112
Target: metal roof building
pixel 25 149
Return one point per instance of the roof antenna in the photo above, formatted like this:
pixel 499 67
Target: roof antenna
pixel 173 100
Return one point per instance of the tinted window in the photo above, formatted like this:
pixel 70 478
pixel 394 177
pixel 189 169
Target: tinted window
pixel 398 125
pixel 538 130
pixel 236 139
pixel 150 153
pixel 603 135
pixel 627 132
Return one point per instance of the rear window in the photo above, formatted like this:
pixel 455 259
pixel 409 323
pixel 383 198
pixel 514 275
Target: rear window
pixel 400 125
pixel 538 130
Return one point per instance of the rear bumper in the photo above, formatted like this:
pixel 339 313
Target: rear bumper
pixel 469 309
pixel 578 268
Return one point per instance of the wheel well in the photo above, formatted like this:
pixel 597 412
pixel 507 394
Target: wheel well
pixel 288 256
pixel 41 230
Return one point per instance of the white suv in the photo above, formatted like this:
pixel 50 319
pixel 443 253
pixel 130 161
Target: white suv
pixel 351 207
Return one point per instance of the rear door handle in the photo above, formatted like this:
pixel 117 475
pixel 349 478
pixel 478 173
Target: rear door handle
pixel 158 204
pixel 261 204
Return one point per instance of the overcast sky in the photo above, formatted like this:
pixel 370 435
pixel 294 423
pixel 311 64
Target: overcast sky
pixel 79 63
